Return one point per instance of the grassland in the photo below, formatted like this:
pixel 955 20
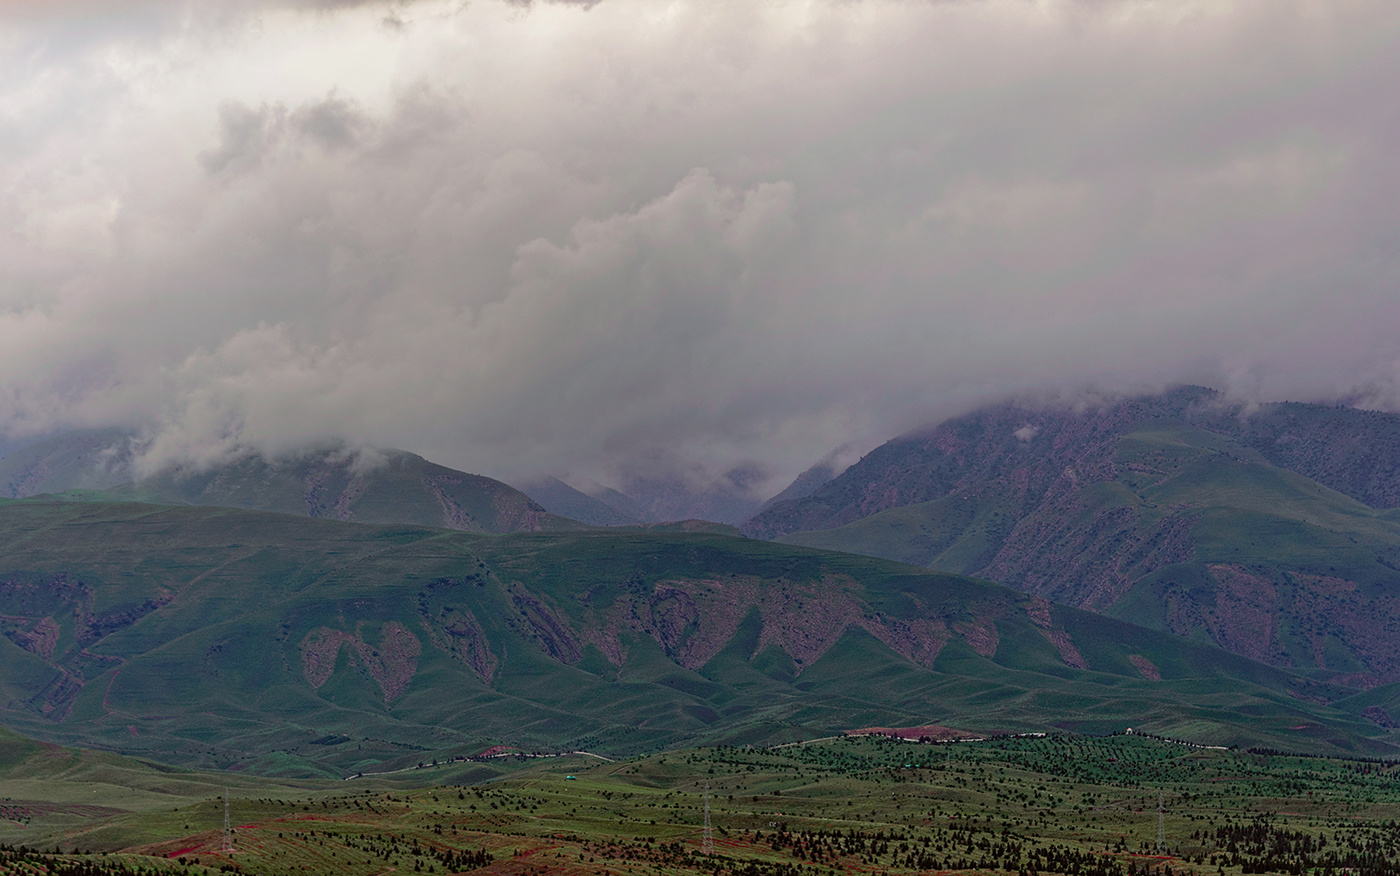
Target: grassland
pixel 1076 805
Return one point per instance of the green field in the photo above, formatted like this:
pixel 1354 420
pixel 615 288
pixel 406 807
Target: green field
pixel 1077 805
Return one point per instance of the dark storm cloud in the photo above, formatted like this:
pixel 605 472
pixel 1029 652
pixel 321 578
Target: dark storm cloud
pixel 569 237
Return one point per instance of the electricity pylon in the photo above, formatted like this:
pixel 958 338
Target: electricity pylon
pixel 1161 825
pixel 227 847
pixel 707 843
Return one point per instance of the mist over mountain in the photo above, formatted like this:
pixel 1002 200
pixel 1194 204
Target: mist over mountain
pixel 650 261
pixel 88 460
pixel 559 498
pixel 566 237
pixel 366 485
pixel 819 475
pixel 728 499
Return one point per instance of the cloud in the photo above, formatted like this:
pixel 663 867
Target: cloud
pixel 584 238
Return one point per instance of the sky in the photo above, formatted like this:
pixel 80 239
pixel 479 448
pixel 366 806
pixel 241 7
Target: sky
pixel 643 237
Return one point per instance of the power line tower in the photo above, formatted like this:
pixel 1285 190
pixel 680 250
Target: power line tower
pixel 1161 825
pixel 227 847
pixel 707 843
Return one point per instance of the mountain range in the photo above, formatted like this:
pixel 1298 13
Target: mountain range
pixel 371 485
pixel 1172 562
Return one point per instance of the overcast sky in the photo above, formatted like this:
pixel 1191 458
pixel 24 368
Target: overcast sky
pixel 576 237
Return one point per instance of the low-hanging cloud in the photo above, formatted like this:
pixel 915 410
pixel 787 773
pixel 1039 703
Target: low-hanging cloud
pixel 572 237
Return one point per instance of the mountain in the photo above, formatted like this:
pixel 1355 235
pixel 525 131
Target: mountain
pixel 619 502
pixel 394 487
pixel 559 498
pixel 807 483
pixel 87 460
pixel 729 499
pixel 288 645
pixel 1175 511
pixel 381 486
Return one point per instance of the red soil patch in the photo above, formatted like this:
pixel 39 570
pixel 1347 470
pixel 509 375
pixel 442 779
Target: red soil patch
pixel 935 732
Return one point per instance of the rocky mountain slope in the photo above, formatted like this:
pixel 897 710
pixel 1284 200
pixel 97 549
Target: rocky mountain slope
pixel 275 643
pixel 1251 532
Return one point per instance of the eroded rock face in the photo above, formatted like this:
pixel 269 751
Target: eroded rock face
pixel 467 641
pixel 1039 612
pixel 554 635
pixel 391 664
pixel 1245 617
pixel 1146 667
pixel 981 635
pixel 56 619
pixel 694 620
pixel 40 638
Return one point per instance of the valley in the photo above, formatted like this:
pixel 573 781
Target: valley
pixel 1086 806
pixel 415 693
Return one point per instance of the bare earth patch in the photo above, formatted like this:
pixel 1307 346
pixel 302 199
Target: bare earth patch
pixel 1146 667
pixel 391 665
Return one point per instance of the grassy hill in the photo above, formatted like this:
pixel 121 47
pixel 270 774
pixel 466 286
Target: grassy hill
pixel 374 486
pixel 392 487
pixel 285 645
pixel 50 794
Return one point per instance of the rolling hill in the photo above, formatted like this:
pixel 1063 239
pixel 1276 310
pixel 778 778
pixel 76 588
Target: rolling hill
pixel 286 645
pixel 1171 511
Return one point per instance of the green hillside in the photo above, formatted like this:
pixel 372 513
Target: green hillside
pixel 391 487
pixel 51 795
pixel 49 792
pixel 83 460
pixel 290 646
pixel 366 486
pixel 1187 531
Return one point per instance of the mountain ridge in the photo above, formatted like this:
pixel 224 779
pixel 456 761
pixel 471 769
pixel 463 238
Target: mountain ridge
pixel 371 486
pixel 1168 509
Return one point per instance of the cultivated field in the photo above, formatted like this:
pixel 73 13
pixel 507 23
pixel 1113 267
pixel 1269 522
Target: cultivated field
pixel 1059 804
